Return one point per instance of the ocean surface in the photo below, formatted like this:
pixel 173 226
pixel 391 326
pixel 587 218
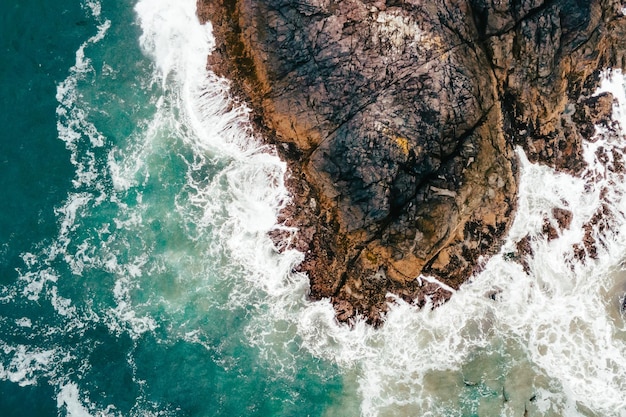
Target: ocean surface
pixel 137 278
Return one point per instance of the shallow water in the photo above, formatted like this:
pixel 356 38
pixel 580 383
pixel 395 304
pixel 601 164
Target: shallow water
pixel 138 278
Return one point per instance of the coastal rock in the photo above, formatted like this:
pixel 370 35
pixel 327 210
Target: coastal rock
pixel 398 121
pixel 562 218
pixel 523 252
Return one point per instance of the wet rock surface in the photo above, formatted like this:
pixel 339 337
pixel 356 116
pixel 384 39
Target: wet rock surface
pixel 562 220
pixel 398 121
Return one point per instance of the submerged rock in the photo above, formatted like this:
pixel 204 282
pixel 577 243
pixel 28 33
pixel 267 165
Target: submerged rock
pixel 398 121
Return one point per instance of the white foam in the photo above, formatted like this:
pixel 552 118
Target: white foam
pixel 62 305
pixel 68 398
pixel 180 46
pixel 255 191
pixel 124 317
pixel 68 213
pixel 72 111
pixel 173 37
pixel 35 281
pixel 24 322
pixel 123 176
pixel 25 365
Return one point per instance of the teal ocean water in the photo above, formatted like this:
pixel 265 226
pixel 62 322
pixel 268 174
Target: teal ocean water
pixel 137 278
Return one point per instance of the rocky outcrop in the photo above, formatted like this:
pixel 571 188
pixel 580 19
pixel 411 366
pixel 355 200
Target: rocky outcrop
pixel 398 120
pixel 545 55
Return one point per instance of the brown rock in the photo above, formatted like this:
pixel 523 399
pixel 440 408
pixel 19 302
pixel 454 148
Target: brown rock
pixel 563 217
pixel 398 121
pixel 524 251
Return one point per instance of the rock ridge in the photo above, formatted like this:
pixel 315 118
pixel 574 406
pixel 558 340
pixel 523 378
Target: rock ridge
pixel 398 121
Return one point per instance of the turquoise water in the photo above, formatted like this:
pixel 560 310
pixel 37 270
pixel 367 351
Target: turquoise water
pixel 118 297
pixel 137 278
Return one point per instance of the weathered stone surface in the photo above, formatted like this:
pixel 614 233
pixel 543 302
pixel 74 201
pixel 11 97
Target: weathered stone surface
pixel 544 64
pixel 398 121
pixel 524 250
pixel 561 219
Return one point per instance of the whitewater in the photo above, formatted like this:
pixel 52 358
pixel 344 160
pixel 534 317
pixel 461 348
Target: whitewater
pixel 161 294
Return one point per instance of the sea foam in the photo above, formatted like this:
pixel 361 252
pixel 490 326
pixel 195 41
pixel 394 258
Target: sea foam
pixel 549 341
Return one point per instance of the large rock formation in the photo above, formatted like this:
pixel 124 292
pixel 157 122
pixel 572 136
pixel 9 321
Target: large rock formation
pixel 398 120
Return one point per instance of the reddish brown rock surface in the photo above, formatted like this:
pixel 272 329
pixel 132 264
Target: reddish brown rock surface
pixel 398 121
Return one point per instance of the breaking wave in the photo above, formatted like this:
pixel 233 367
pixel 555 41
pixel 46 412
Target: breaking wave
pixel 162 252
